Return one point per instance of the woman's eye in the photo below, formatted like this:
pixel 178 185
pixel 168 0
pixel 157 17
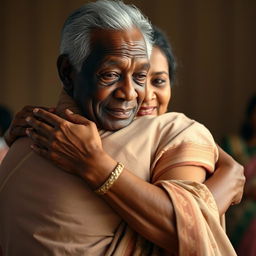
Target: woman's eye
pixel 158 82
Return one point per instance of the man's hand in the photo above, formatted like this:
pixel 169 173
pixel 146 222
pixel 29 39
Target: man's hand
pixel 19 125
pixel 73 144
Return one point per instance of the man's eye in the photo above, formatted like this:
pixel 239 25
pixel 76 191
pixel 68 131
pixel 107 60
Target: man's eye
pixel 140 78
pixel 108 77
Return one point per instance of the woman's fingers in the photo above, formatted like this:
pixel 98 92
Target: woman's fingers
pixel 19 124
pixel 19 131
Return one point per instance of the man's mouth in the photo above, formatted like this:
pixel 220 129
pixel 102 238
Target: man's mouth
pixel 144 111
pixel 120 113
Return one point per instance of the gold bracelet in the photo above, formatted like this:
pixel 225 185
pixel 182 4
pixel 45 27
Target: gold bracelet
pixel 111 180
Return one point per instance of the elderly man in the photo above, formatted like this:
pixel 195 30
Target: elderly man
pixel 121 200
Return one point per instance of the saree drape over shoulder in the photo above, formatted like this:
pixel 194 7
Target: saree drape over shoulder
pixel 46 211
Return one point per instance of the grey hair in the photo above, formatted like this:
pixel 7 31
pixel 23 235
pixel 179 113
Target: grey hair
pixel 105 14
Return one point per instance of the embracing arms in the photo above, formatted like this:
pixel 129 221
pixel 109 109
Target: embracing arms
pixel 60 141
pixel 226 184
pixel 76 147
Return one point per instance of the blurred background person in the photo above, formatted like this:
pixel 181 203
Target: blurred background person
pixel 241 219
pixel 242 146
pixel 5 120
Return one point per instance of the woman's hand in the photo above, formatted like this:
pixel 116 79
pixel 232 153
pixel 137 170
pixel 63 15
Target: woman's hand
pixel 73 144
pixel 227 182
pixel 19 125
pixel 236 174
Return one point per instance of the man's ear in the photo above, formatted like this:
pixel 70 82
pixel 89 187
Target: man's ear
pixel 66 73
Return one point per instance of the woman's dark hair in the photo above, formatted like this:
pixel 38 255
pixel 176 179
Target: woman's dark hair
pixel 161 41
pixel 247 128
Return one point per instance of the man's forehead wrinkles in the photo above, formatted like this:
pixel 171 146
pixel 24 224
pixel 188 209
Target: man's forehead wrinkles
pixel 127 45
pixel 131 49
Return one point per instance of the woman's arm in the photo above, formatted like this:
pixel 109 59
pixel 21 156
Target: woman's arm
pixel 227 182
pixel 154 218
pixel 76 147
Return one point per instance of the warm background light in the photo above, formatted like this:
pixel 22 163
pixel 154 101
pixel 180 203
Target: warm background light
pixel 214 42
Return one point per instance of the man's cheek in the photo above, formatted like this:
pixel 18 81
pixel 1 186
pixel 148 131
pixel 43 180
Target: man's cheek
pixel 103 93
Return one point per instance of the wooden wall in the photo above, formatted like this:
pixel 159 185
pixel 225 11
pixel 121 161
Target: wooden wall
pixel 214 43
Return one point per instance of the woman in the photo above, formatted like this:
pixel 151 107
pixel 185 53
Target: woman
pixel 159 111
pixel 161 77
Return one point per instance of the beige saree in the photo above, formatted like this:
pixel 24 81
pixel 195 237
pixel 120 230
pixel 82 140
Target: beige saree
pixel 198 225
pixel 46 211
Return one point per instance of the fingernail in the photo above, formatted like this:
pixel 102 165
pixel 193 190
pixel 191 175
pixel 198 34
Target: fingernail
pixel 28 119
pixel 35 110
pixel 69 111
pixel 28 131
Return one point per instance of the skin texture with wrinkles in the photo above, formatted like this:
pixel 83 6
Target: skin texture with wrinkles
pixel 116 81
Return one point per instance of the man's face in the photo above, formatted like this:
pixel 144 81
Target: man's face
pixel 111 85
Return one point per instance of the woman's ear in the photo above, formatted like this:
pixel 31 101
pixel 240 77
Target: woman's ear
pixel 66 73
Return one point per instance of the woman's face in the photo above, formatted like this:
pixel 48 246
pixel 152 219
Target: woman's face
pixel 158 89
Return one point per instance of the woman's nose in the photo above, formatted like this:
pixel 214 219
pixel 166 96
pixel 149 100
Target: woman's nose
pixel 149 93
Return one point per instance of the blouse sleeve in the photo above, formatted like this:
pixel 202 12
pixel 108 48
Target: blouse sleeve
pixel 193 144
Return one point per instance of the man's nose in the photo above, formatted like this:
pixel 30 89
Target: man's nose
pixel 126 90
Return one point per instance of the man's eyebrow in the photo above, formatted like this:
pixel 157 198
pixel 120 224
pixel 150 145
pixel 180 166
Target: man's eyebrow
pixel 144 65
pixel 111 63
pixel 119 62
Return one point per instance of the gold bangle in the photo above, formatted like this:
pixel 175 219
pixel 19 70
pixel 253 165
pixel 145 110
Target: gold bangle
pixel 111 180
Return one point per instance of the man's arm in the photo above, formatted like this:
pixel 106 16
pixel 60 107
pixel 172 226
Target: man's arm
pixel 146 207
pixel 226 183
